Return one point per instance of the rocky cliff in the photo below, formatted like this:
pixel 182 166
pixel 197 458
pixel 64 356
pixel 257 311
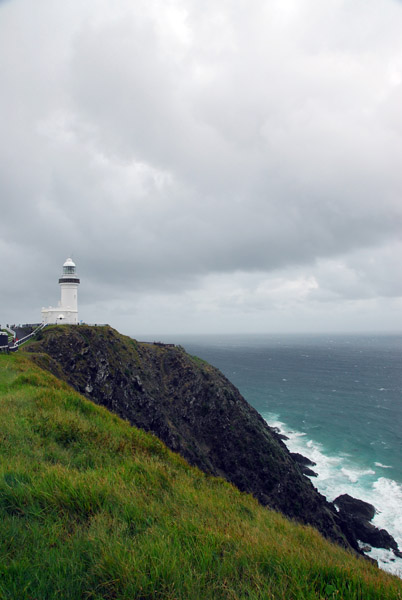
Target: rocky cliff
pixel 194 409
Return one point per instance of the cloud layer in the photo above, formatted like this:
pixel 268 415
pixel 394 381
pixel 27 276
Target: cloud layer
pixel 212 167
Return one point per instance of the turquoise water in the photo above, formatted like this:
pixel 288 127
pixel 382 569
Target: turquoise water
pixel 339 400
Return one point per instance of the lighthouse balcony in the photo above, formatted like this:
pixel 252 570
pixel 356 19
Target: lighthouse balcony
pixel 69 280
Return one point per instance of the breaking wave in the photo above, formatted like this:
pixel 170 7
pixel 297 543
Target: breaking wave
pixel 338 474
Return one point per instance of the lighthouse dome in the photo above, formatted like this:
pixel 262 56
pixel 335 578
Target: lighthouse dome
pixel 69 263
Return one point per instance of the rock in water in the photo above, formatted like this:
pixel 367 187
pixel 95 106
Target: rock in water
pixel 302 460
pixel 357 515
pixel 355 508
pixel 305 464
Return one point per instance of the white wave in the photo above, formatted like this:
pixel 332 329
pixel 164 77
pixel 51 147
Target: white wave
pixel 387 561
pixel 378 464
pixel 354 475
pixel 388 495
pixel 340 475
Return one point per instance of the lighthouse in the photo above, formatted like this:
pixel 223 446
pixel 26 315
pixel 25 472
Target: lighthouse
pixel 67 309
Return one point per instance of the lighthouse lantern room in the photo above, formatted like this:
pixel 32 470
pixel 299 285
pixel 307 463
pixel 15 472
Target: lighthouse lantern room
pixel 67 310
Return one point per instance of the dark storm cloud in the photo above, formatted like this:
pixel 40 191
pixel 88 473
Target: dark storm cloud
pixel 166 145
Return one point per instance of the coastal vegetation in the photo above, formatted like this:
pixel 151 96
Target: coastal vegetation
pixel 91 507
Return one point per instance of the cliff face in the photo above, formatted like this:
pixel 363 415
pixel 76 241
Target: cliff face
pixel 193 408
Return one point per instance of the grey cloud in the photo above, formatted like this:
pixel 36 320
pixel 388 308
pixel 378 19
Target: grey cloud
pixel 164 146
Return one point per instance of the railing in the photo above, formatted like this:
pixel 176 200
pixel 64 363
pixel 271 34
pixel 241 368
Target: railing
pixel 13 346
pixel 18 343
pixel 69 280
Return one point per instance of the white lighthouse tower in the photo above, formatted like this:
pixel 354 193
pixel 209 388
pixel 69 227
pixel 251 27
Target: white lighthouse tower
pixel 67 309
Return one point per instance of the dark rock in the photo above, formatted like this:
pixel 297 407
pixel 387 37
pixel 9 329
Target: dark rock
pixel 356 516
pixel 302 460
pixel 354 507
pixel 277 433
pixel 195 410
pixel 309 472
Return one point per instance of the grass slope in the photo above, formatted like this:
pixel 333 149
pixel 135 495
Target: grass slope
pixel 93 508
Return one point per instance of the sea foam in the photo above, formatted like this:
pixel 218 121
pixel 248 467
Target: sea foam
pixel 340 475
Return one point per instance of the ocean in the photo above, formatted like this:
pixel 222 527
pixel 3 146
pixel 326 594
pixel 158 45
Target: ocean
pixel 338 398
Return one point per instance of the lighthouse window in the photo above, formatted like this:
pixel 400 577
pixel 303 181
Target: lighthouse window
pixel 68 270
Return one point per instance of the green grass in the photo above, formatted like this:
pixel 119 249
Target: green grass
pixel 200 362
pixel 93 508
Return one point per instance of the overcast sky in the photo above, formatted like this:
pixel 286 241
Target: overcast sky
pixel 227 166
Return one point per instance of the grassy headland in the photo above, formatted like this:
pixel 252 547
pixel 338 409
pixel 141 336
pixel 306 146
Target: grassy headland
pixel 93 508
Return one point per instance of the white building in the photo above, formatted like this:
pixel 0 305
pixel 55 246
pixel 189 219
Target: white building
pixel 67 310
